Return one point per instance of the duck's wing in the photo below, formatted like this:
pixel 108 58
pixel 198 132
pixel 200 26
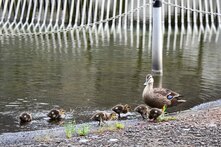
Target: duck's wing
pixel 166 93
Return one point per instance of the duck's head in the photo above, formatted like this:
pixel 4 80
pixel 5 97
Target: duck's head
pixel 56 113
pixel 149 79
pixel 154 113
pixel 25 117
pixel 62 111
pixel 113 116
pixel 141 108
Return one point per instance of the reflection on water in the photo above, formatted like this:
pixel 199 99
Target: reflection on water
pixel 83 72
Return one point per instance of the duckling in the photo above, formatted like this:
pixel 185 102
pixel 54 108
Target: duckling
pixel 103 116
pixel 154 113
pixel 56 114
pixel 158 97
pixel 25 117
pixel 121 109
pixel 144 110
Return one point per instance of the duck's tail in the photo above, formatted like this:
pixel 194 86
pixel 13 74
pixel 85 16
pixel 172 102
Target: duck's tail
pixel 181 101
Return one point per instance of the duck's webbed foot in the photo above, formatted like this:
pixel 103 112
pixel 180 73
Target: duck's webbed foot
pixel 152 120
pixel 119 117
pixel 143 116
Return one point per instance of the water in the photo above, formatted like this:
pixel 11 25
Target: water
pixel 38 73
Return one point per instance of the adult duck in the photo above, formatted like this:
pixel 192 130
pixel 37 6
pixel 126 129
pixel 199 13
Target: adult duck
pixel 158 97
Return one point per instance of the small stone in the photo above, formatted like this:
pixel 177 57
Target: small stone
pixel 186 129
pixel 203 143
pixel 212 125
pixel 113 140
pixel 95 136
pixel 83 140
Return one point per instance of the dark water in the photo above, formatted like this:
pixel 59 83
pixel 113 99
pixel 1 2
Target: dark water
pixel 38 73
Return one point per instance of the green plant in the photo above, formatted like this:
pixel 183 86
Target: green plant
pixel 119 125
pixel 106 128
pixel 70 129
pixel 166 118
pixel 162 117
pixel 113 127
pixel 83 131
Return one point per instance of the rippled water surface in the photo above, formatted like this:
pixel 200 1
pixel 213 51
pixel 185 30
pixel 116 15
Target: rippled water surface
pixel 38 73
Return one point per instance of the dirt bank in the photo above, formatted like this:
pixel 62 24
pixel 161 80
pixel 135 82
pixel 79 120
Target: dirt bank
pixel 191 128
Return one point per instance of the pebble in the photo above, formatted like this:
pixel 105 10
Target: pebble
pixel 83 140
pixel 113 140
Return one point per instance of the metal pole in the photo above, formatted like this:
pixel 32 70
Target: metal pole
pixel 157 52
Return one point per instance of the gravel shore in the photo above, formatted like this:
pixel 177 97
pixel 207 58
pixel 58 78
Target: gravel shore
pixel 191 128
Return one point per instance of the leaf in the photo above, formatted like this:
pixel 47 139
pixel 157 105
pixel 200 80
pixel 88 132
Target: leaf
pixel 164 108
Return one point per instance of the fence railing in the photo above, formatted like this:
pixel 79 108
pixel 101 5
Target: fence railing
pixel 20 17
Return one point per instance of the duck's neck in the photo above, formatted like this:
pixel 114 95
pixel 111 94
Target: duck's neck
pixel 148 88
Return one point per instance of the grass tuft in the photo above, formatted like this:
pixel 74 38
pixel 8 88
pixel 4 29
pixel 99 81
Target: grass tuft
pixel 119 125
pixel 70 129
pixel 162 117
pixel 84 130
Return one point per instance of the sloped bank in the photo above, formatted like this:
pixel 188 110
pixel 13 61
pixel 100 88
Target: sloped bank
pixel 191 128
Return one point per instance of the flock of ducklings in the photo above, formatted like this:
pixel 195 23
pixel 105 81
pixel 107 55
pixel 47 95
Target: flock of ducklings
pixel 101 116
pixel 54 115
pixel 156 98
pixel 144 111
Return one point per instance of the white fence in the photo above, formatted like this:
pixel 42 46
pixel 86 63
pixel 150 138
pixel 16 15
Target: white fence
pixel 20 17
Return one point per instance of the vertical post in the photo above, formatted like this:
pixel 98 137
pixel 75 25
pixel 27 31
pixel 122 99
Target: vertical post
pixel 218 11
pixel 125 18
pixel 71 15
pixel 63 14
pixel 207 17
pixel 83 13
pixel 194 17
pixel 51 16
pixel 120 18
pixel 201 16
pixel 211 16
pixel 77 14
pixel 182 16
pixel 144 23
pixel 157 38
pixel 132 15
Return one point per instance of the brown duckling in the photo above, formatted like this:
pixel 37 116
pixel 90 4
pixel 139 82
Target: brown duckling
pixel 143 109
pixel 158 97
pixel 121 109
pixel 154 113
pixel 103 116
pixel 56 114
pixel 25 117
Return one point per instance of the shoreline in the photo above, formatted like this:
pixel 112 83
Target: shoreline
pixel 191 128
